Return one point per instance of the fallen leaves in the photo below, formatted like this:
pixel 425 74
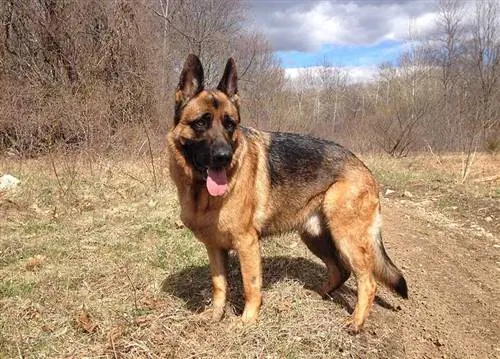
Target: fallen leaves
pixel 84 321
pixel 35 263
pixel 114 334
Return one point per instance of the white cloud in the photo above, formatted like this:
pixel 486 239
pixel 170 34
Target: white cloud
pixel 363 73
pixel 355 74
pixel 307 25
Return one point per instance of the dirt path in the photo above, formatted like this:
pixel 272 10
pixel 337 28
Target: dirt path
pixel 452 271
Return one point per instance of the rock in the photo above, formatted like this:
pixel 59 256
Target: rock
pixel 152 203
pixel 388 192
pixel 8 182
pixel 407 194
pixel 488 219
pixel 438 342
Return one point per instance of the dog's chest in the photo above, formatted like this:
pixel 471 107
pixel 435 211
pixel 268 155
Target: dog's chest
pixel 214 221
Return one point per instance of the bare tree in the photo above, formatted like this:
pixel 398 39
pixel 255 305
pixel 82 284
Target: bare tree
pixel 481 73
pixel 406 103
pixel 485 61
pixel 449 53
pixel 204 28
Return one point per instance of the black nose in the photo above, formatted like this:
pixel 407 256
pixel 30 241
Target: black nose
pixel 221 155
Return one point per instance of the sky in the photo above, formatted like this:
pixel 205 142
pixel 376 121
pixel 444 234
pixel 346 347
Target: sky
pixel 356 35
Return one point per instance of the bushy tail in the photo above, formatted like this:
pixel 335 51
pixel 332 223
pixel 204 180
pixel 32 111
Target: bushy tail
pixel 385 270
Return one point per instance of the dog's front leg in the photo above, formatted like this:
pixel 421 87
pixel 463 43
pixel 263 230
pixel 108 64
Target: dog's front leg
pixel 218 262
pixel 251 271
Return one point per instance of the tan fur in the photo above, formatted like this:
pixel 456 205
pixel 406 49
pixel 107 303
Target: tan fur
pixel 351 206
pixel 230 222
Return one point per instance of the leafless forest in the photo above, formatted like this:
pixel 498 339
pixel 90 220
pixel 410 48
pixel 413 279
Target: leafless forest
pixel 100 75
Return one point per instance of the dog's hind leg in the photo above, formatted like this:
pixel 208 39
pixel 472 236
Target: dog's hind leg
pixel 350 207
pixel 318 239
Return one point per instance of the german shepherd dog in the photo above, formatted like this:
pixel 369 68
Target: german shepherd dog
pixel 237 184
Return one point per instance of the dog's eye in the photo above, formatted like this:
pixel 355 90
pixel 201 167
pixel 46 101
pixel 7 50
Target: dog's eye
pixel 229 124
pixel 201 124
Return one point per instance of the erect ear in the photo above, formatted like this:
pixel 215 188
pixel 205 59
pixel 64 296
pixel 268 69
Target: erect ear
pixel 191 80
pixel 190 84
pixel 229 81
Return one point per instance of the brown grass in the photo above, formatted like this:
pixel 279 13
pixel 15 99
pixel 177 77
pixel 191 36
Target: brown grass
pixel 94 263
pixel 436 181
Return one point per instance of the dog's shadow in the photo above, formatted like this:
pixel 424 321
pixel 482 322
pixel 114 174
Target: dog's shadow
pixel 193 284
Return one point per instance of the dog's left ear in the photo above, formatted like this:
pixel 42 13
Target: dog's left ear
pixel 229 82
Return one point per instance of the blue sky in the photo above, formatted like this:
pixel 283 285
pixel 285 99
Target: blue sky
pixel 357 35
pixel 342 55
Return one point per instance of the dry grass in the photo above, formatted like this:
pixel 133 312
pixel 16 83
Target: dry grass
pixel 437 180
pixel 445 168
pixel 94 263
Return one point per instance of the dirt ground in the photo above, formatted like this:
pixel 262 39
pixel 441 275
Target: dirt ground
pixel 446 238
pixel 453 310
pixel 94 263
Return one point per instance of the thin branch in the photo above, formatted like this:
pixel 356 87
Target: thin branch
pixel 189 37
pixel 249 64
pixel 150 155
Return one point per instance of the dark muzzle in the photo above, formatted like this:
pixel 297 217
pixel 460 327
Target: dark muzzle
pixel 221 154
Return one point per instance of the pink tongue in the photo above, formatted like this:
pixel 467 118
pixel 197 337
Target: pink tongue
pixel 216 182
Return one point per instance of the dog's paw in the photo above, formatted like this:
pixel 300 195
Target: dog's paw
pixel 214 314
pixel 249 316
pixel 352 328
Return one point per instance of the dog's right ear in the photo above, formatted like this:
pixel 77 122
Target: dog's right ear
pixel 190 83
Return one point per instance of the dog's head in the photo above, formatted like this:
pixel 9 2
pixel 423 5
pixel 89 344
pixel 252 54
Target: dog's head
pixel 206 123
